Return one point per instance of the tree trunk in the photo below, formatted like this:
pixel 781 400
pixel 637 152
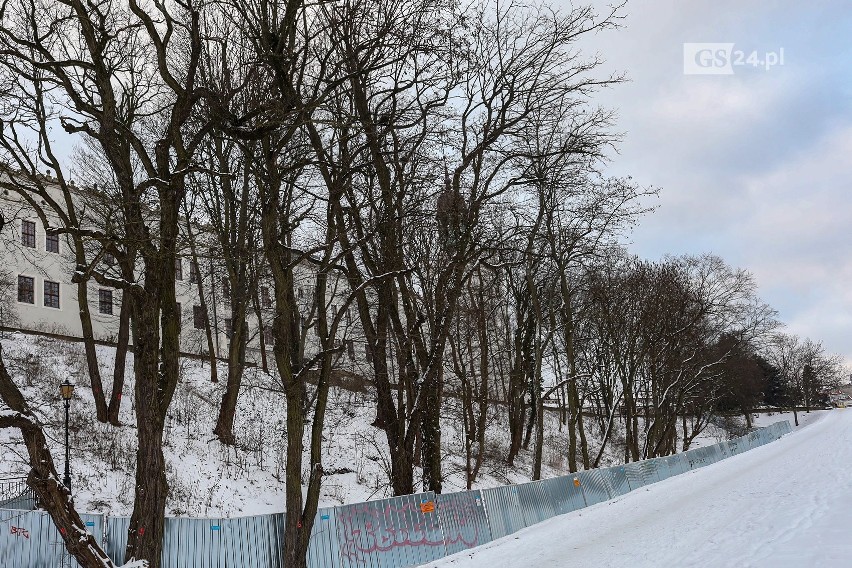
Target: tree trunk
pixel 224 429
pixel 432 430
pixel 121 349
pixel 398 430
pixel 91 351
pixel 573 417
pixel 482 411
pixel 156 341
pixel 581 429
pixel 517 409
pixel 145 534
pixel 538 403
pixel 261 326
pixel 199 287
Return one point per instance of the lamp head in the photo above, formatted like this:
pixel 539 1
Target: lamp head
pixel 66 389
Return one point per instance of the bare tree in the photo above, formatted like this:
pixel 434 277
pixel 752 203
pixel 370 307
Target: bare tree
pixel 126 76
pixel 805 369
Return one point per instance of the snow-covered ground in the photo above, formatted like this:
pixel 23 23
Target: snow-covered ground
pixel 207 479
pixel 785 504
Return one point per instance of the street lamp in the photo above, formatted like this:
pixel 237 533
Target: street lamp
pixel 66 389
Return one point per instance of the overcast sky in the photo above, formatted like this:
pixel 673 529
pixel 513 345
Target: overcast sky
pixel 756 166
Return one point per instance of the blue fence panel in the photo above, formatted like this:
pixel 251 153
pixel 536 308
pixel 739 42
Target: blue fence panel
pixel 253 542
pixel 617 480
pixel 677 464
pixel 635 479
pixel 736 446
pixel 463 520
pixel 535 503
pixel 323 549
pixel 714 453
pixel 754 439
pixel 115 539
pixel 17 538
pixel 240 548
pixel 724 450
pixel 504 510
pixel 596 487
pixel 29 539
pixel 648 468
pixel 390 533
pixel 663 471
pixel 564 495
pixel 696 458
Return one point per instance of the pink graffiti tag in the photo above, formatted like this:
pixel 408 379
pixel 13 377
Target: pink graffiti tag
pixel 366 529
pixel 20 531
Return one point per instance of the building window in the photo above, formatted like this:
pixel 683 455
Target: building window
pixel 198 317
pixel 178 269
pixel 301 292
pixel 193 272
pixel 51 294
pixel 105 301
pixel 265 299
pixel 268 338
pixel 26 289
pixel 229 329
pixel 51 243
pixel 350 349
pixel 226 289
pixel 179 315
pixel 28 234
pixel 109 259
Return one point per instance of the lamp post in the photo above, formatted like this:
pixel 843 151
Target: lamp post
pixel 66 389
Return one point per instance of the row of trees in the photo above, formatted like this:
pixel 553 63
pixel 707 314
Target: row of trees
pixel 437 165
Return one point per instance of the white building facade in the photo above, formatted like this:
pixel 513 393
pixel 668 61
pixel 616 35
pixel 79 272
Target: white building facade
pixel 37 293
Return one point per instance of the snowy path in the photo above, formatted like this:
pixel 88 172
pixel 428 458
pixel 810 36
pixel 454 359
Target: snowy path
pixel 786 504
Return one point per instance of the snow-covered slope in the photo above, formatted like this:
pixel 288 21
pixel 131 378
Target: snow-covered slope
pixel 785 504
pixel 207 479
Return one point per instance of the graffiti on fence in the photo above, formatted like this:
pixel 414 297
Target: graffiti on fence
pixel 459 520
pixel 366 528
pixel 20 531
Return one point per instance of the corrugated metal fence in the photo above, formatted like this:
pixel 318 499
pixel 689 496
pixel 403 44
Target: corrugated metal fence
pixel 390 533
